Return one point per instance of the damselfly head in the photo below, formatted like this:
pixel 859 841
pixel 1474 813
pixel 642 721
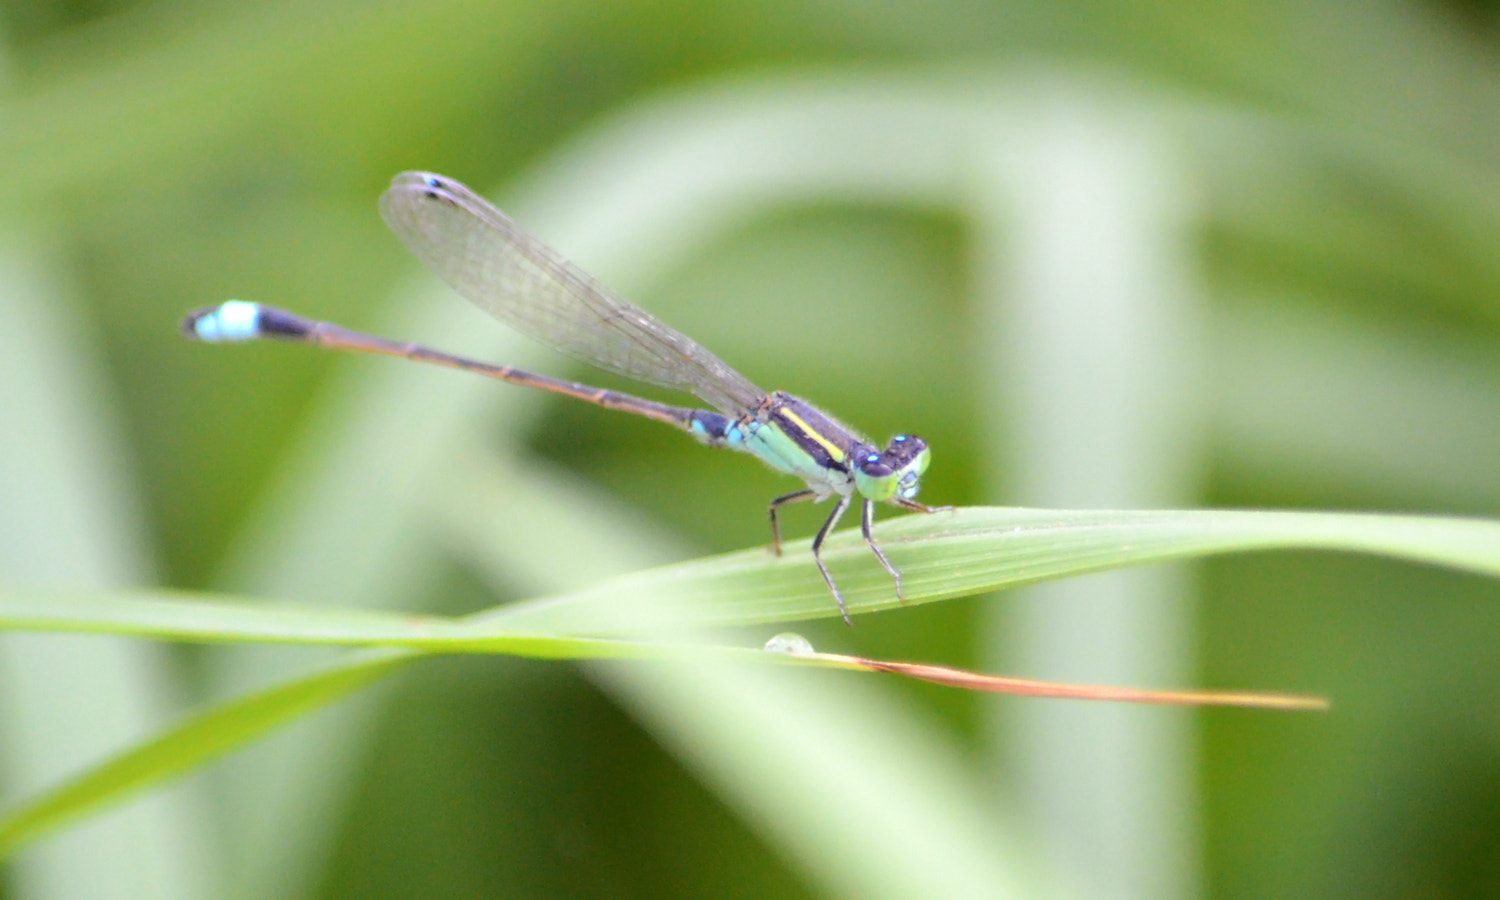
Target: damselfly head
pixel 897 472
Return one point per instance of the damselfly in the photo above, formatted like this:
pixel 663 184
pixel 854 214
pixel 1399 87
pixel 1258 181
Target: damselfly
pixel 487 258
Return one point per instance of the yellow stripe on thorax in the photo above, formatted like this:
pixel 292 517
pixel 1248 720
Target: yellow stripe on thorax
pixel 834 452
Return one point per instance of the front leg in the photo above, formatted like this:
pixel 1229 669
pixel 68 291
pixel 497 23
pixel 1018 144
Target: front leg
pixel 866 521
pixel 914 506
pixel 783 500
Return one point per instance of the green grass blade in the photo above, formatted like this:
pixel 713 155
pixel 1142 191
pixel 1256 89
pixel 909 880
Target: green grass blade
pixel 969 551
pixel 944 555
pixel 196 740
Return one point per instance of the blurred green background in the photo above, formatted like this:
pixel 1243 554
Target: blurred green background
pixel 1098 254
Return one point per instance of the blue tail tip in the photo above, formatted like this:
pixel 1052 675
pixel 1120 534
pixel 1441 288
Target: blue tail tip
pixel 234 320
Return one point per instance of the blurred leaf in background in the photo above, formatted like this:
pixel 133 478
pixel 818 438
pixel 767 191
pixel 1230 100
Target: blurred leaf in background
pixel 1098 254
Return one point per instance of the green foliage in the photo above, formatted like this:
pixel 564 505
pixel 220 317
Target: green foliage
pixel 875 206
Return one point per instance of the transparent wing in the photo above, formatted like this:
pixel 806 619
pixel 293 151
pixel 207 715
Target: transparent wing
pixel 507 272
